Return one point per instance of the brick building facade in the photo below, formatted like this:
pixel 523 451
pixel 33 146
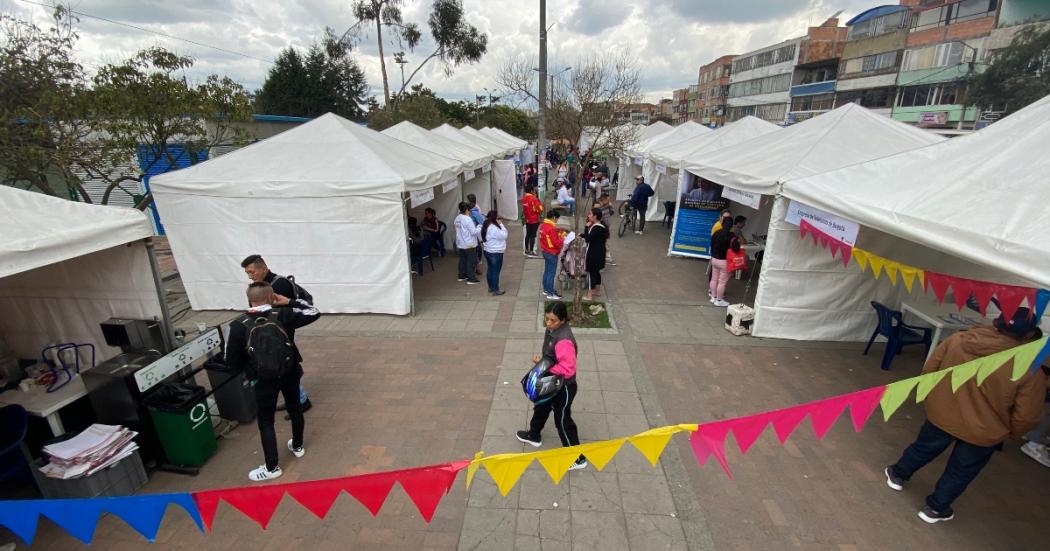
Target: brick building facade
pixel 712 91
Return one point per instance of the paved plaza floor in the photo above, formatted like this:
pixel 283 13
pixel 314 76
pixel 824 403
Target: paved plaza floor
pixel 392 392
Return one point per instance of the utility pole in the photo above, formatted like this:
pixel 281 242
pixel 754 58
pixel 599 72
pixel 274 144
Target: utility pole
pixel 541 140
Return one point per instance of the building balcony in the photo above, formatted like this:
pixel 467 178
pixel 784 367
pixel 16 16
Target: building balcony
pixel 814 88
pixel 935 115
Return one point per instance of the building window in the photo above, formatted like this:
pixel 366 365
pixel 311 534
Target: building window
pixel 870 64
pixel 878 25
pixel 765 85
pixel 920 96
pixel 772 57
pixel 871 98
pixel 817 102
pixel 954 12
pixel 819 75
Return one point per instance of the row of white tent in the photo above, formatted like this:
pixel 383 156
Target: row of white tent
pixel 327 202
pixel 971 207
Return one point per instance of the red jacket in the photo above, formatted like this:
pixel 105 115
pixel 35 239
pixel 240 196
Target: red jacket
pixel 551 238
pixel 532 208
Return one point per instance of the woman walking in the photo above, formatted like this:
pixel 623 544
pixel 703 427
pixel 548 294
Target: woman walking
pixel 559 349
pixel 595 235
pixel 723 240
pixel 494 244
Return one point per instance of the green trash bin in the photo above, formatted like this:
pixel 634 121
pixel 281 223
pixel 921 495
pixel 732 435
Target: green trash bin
pixel 180 414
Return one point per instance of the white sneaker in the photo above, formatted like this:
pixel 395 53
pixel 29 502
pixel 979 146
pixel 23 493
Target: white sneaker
pixel 1038 452
pixel 579 464
pixel 636 232
pixel 720 303
pixel 262 473
pixel 297 452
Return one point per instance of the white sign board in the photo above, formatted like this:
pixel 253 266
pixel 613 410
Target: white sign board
pixel 835 226
pixel 449 186
pixel 422 196
pixel 638 161
pixel 485 169
pixel 747 198
pixel 204 346
pixel 662 169
pixel 468 174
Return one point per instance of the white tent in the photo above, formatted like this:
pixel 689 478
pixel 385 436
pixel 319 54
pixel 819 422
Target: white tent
pixel 65 267
pixel 968 207
pixel 479 182
pixel 694 150
pixel 504 149
pixel 628 167
pixel 654 172
pixel 322 201
pixel 503 135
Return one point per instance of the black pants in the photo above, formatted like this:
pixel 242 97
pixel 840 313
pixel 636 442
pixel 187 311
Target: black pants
pixel 468 261
pixel 530 236
pixel 965 462
pixel 639 215
pixel 266 400
pixel 561 405
pixel 596 277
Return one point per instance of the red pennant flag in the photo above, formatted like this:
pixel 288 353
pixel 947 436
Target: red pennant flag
pixel 256 502
pixel 961 289
pixel 847 253
pixel 746 430
pixel 939 283
pixel 862 404
pixel 785 421
pixel 317 496
pixel 370 489
pixel 824 413
pixel 983 292
pixel 708 440
pixel 804 229
pixel 426 485
pixel 1011 296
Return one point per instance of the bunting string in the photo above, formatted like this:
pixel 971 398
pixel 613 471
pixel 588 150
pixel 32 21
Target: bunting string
pixel 426 486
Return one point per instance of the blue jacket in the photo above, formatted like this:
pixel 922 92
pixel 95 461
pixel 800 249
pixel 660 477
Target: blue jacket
pixel 476 216
pixel 640 196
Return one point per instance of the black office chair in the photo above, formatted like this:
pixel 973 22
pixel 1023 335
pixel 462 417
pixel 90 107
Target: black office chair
pixel 13 463
pixel 898 334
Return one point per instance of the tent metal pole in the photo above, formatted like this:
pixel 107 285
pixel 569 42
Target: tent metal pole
pixel 408 256
pixel 167 330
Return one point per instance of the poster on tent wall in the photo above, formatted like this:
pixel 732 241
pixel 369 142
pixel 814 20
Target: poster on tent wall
pixel 746 198
pixel 693 220
pixel 835 226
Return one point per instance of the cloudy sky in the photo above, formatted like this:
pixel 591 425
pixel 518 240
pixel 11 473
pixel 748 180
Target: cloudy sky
pixel 671 38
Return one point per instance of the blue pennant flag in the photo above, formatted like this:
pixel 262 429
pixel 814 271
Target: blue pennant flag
pixel 20 517
pixel 76 516
pixel 1041 299
pixel 143 513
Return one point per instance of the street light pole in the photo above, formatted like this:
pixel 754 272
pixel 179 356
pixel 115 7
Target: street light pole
pixel 541 139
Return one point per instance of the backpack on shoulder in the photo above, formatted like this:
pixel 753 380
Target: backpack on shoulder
pixel 269 347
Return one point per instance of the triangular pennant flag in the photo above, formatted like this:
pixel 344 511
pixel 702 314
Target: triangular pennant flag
pixel 1044 353
pixel 473 467
pixel 847 253
pixel 861 256
pixel 20 517
pixel 746 430
pixel 653 441
pixel 1010 298
pixel 862 404
pixel 804 229
pixel 143 513
pixel 922 279
pixel 927 382
pixel 256 502
pixel 895 395
pixel 370 490
pixel 908 274
pixel 600 454
pixel 425 486
pixel 825 241
pixel 505 469
pixel 824 413
pixel 990 364
pixel 961 290
pixel 891 270
pixel 557 461
pixel 207 504
pixel 78 517
pixel 1024 357
pixel 982 292
pixel 939 283
pixel 1042 298
pixel 962 373
pixel 188 504
pixel 317 496
pixel 709 440
pixel 786 420
pixel 876 264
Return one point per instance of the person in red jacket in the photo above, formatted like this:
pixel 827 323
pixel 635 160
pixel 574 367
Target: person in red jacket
pixel 551 241
pixel 532 209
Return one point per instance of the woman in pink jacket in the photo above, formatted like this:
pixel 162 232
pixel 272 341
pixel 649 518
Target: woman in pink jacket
pixel 559 349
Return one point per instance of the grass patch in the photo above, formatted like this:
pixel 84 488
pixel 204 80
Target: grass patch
pixel 599 320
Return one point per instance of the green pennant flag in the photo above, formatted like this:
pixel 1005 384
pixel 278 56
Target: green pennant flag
pixel 990 364
pixel 963 373
pixel 895 395
pixel 927 382
pixel 1025 356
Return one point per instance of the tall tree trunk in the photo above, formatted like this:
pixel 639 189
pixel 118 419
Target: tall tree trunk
pixel 382 59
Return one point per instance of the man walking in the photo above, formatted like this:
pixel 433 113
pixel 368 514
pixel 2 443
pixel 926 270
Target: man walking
pixel 976 418
pixel 257 270
pixel 260 344
pixel 640 201
pixel 467 242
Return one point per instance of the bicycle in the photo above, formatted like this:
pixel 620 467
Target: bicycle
pixel 628 215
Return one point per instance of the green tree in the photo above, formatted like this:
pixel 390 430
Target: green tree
pixel 510 120
pixel 420 106
pixel 327 79
pixel 385 13
pixel 457 42
pixel 1019 74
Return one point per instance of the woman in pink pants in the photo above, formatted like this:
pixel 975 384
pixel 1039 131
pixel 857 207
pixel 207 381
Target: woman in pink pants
pixel 723 240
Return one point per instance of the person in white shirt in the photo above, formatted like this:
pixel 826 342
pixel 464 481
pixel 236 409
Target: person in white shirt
pixel 494 243
pixel 565 198
pixel 467 242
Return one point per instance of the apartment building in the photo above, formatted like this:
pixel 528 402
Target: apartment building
pixel 813 80
pixel 760 83
pixel 713 82
pixel 680 103
pixel 871 58
pixel 639 113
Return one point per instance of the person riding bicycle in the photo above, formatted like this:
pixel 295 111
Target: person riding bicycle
pixel 640 201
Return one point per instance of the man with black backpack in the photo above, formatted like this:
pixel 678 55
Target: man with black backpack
pixel 257 270
pixel 260 343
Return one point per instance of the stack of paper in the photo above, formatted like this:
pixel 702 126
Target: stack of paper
pixel 98 447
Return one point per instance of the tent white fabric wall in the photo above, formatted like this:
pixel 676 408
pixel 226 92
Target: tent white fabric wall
pixel 481 186
pixel 322 201
pixel 628 168
pixel 471 157
pixel 446 205
pixel 448 131
pixel 506 186
pixel 503 149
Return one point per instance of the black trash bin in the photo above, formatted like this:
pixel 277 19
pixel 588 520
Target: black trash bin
pixel 180 413
pixel 233 392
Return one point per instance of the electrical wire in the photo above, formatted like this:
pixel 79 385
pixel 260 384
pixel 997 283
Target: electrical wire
pixel 158 33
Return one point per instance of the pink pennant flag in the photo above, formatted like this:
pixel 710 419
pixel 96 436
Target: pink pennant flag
pixel 804 229
pixel 746 430
pixel 255 502
pixel 847 253
pixel 824 413
pixel 862 404
pixel 786 420
pixel 426 486
pixel 939 283
pixel 316 496
pixel 961 290
pixel 708 440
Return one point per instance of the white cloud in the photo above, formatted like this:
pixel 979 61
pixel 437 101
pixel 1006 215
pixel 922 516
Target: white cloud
pixel 670 38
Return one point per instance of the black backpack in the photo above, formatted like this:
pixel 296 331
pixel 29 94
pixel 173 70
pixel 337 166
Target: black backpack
pixel 269 347
pixel 298 291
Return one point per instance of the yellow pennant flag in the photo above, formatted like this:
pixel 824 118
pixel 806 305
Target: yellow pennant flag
pixel 861 256
pixel 908 275
pixel 876 262
pixel 473 467
pixel 600 454
pixel 505 469
pixel 652 442
pixel 927 382
pixel 557 461
pixel 895 395
pixel 891 270
pixel 922 278
pixel 1025 356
